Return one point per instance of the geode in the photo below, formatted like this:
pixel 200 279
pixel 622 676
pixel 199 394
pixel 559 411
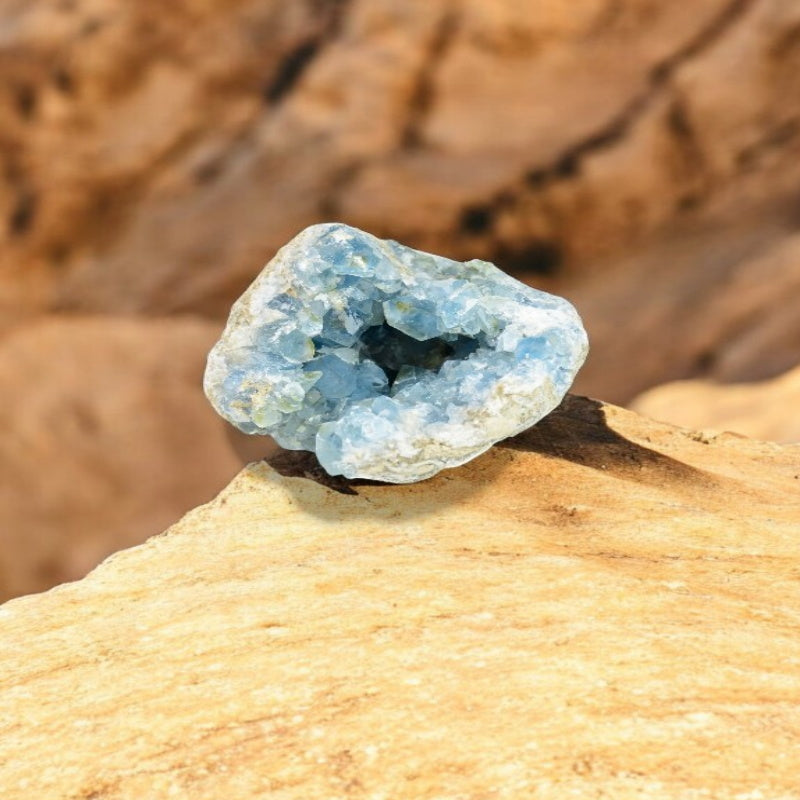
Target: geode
pixel 387 362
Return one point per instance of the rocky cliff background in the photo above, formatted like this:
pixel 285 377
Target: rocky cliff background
pixel 638 156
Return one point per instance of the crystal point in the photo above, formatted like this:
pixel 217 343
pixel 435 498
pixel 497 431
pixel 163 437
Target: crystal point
pixel 388 362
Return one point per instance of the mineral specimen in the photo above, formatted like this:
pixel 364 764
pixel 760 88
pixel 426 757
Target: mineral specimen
pixel 388 362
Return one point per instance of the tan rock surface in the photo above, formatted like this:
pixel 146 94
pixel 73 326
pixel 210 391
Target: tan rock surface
pixel 147 170
pixel 602 607
pixel 765 410
pixel 714 300
pixel 107 439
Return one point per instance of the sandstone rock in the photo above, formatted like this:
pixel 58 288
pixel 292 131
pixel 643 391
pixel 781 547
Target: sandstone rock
pixel 602 606
pixel 766 410
pixel 716 300
pixel 469 128
pixel 107 439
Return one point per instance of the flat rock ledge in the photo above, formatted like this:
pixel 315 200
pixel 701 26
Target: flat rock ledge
pixel 603 606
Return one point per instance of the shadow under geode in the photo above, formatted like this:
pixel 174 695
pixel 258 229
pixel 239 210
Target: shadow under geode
pixel 379 500
pixel 576 431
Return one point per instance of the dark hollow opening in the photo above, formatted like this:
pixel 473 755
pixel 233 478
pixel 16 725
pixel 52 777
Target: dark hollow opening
pixel 392 349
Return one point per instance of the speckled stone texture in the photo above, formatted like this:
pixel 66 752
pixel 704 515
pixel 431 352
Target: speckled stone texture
pixel 603 607
pixel 388 362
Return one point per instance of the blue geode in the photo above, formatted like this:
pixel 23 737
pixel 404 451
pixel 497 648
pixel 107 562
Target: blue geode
pixel 387 362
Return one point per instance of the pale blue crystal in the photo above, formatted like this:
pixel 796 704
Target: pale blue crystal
pixel 387 362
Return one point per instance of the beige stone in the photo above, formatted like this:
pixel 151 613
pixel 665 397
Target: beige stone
pixel 762 410
pixel 603 606
pixel 718 301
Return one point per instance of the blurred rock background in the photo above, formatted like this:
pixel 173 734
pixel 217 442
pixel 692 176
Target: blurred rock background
pixel 641 157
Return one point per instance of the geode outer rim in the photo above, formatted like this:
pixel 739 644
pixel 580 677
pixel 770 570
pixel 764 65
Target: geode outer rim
pixel 431 454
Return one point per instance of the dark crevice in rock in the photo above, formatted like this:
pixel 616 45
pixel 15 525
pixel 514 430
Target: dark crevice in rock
pixel 63 80
pixel 691 158
pixel 678 122
pixel 684 136
pixel 23 213
pixel 295 63
pixel 477 219
pixel 704 39
pixel 534 258
pixel 290 70
pixel 567 164
pixel 26 100
pixel 773 139
pixel 419 105
pixel 704 362
pixel 422 96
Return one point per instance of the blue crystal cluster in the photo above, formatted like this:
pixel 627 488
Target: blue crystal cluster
pixel 388 362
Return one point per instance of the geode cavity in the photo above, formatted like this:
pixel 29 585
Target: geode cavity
pixel 387 362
